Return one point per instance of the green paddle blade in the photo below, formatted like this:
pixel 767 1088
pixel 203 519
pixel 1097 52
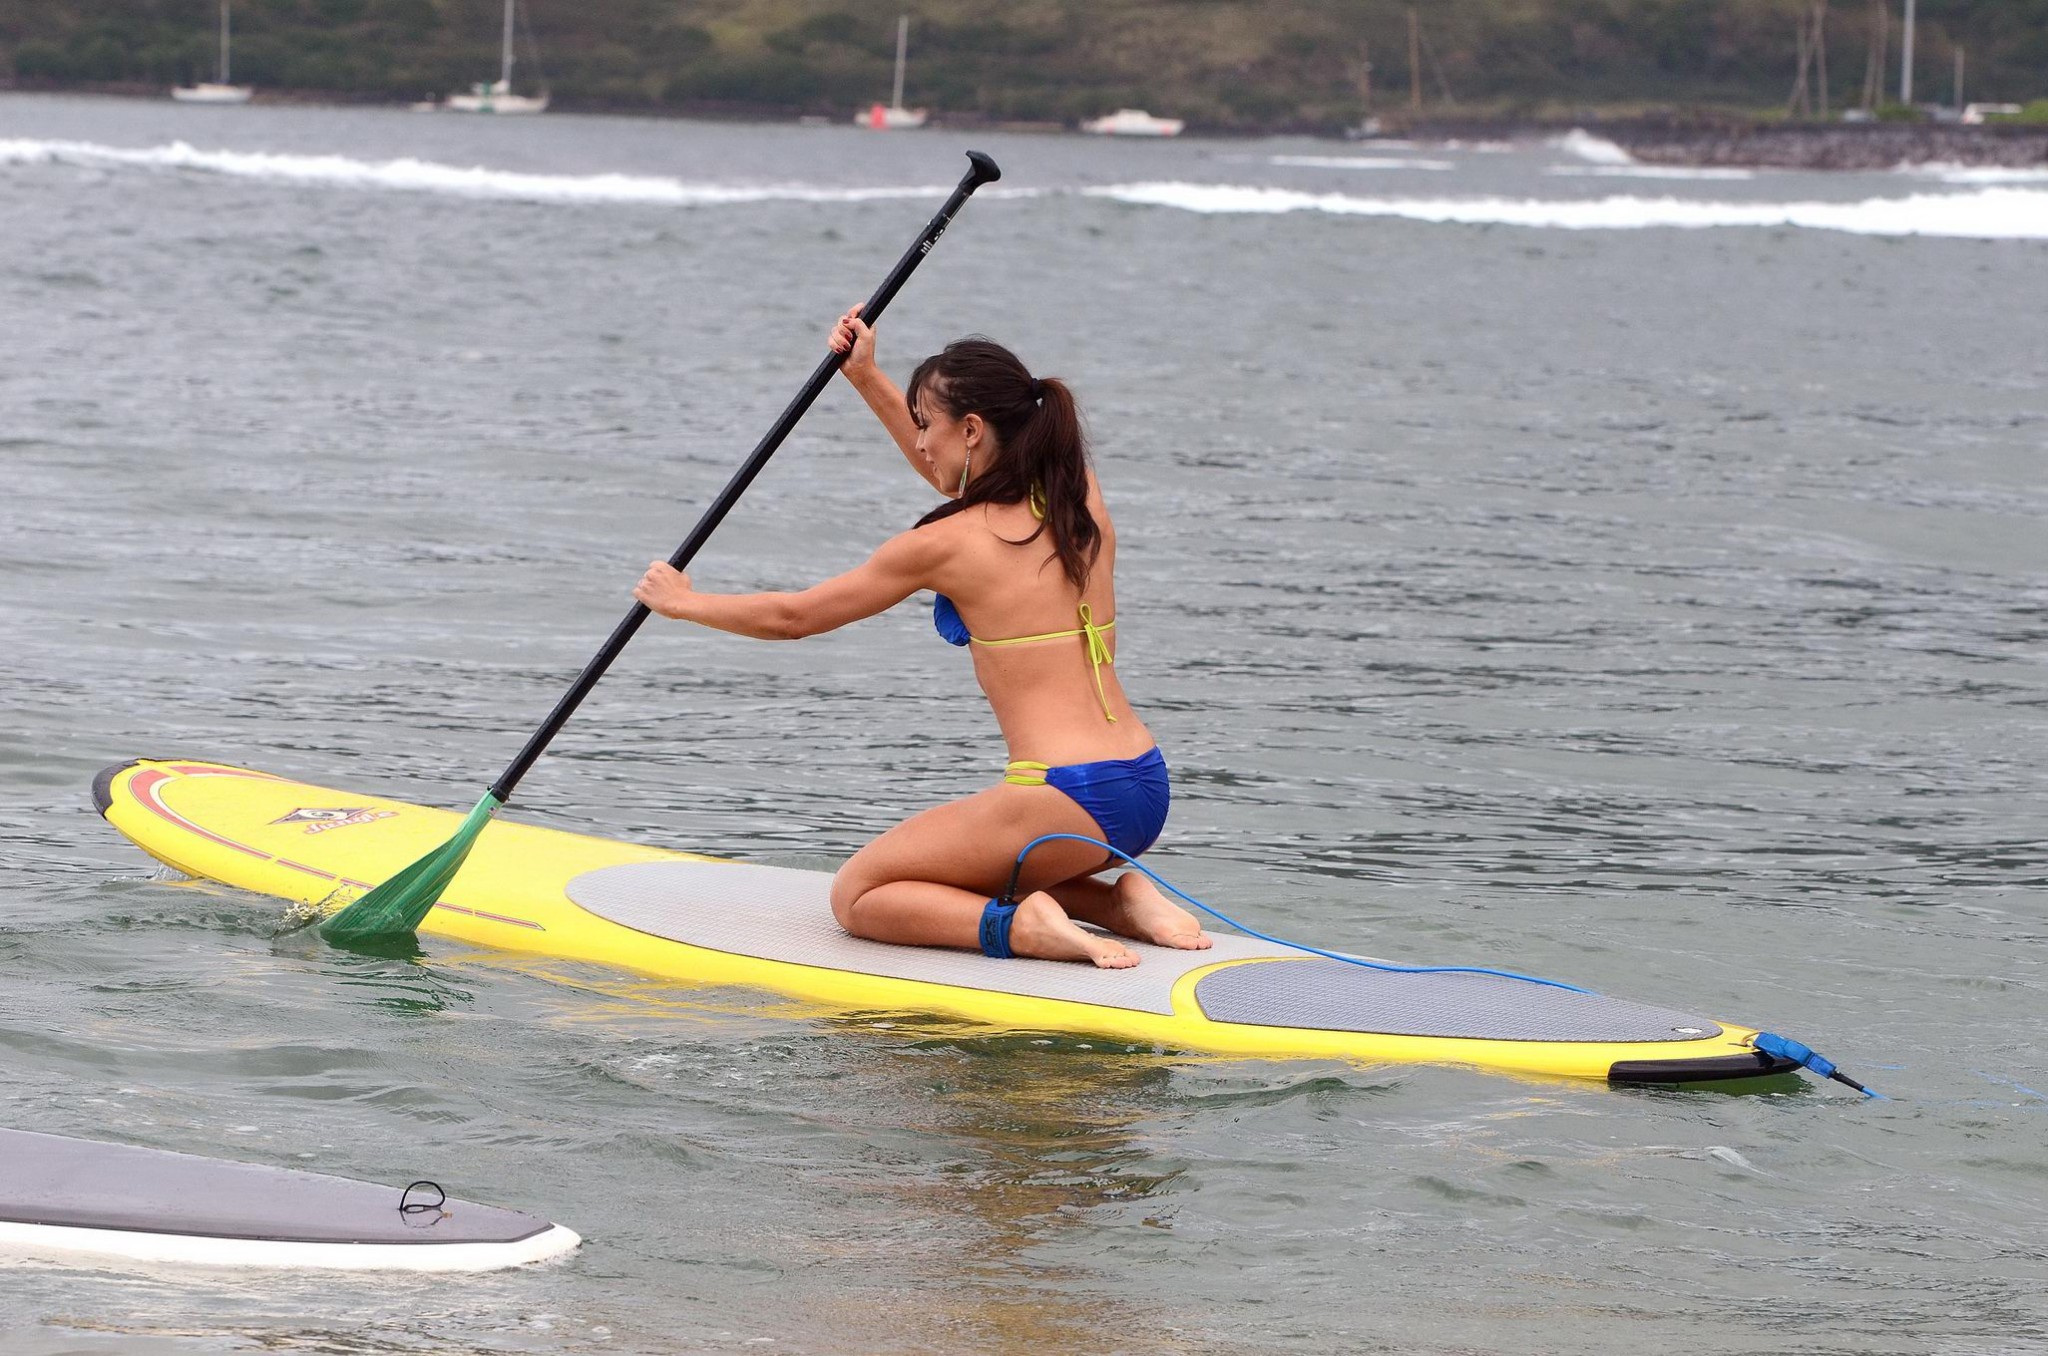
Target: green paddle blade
pixel 393 910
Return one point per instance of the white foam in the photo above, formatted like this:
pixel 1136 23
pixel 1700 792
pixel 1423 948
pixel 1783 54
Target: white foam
pixel 1950 173
pixel 1362 162
pixel 1649 172
pixel 1591 149
pixel 1993 211
pixel 1988 214
pixel 424 176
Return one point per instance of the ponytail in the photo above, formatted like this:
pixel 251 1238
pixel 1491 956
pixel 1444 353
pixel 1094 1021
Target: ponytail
pixel 1044 457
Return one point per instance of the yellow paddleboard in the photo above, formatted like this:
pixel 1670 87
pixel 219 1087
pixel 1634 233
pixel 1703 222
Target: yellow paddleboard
pixel 704 921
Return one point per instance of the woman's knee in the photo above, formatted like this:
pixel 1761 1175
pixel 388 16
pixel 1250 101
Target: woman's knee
pixel 848 885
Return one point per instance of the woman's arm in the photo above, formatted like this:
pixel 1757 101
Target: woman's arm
pixel 856 340
pixel 901 567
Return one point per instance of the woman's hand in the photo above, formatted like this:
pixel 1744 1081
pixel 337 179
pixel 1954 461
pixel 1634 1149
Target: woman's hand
pixel 853 337
pixel 664 589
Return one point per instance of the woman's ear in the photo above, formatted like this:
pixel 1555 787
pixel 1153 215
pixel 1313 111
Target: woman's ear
pixel 971 429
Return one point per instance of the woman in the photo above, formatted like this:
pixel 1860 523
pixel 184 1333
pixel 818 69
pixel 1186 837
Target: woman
pixel 1023 561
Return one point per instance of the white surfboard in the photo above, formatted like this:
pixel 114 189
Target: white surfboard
pixel 78 1199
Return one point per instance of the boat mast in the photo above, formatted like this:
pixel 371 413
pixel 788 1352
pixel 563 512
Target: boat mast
pixel 505 70
pixel 1906 58
pixel 902 40
pixel 224 41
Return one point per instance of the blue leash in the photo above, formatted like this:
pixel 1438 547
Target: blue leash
pixel 1807 1058
pixel 1010 897
pixel 1766 1042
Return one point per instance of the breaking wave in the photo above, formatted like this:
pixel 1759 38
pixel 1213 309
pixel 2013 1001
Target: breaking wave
pixel 1701 172
pixel 425 176
pixel 1361 162
pixel 1591 149
pixel 1988 214
pixel 1977 174
pixel 1999 204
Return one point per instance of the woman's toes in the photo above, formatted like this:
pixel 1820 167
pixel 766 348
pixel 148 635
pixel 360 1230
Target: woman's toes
pixel 1150 916
pixel 1042 930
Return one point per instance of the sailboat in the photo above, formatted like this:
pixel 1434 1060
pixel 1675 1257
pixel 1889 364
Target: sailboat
pixel 215 91
pixel 895 116
pixel 497 97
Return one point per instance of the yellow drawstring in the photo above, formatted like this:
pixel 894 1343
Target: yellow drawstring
pixel 1098 655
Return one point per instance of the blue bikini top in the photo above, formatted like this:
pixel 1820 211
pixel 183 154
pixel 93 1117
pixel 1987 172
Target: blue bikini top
pixel 946 620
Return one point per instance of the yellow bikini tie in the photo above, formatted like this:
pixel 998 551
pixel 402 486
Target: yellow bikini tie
pixel 1098 655
pixel 1021 773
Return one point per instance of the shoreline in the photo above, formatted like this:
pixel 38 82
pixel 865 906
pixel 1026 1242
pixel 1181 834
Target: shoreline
pixel 1675 140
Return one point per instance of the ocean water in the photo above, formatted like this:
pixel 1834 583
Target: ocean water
pixel 1626 575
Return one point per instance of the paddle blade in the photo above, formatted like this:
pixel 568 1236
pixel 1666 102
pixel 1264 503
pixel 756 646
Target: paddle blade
pixel 395 909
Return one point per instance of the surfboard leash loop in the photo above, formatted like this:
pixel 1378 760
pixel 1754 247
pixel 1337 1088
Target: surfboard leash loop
pixel 1017 871
pixel 1806 1057
pixel 408 1206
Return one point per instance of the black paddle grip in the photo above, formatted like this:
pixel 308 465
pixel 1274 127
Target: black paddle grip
pixel 981 170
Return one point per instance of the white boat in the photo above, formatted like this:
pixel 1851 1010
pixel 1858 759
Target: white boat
pixel 893 116
pixel 1133 122
pixel 1974 114
pixel 219 91
pixel 497 96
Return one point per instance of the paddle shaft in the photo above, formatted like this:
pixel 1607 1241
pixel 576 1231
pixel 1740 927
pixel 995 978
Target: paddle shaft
pixel 982 171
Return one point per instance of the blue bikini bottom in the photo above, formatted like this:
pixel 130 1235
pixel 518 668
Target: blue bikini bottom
pixel 1126 797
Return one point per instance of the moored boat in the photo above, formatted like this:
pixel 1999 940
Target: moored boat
pixel 496 96
pixel 893 116
pixel 1133 122
pixel 221 90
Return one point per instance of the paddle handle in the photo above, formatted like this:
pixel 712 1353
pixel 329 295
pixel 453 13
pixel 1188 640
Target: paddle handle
pixel 981 170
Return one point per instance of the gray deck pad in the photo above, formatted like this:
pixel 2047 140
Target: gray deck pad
pixel 53 1180
pixel 1326 995
pixel 779 914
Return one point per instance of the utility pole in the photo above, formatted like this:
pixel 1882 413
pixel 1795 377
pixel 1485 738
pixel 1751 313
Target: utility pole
pixel 1820 53
pixel 1906 58
pixel 1799 105
pixel 1365 75
pixel 1959 81
pixel 1415 60
pixel 1876 36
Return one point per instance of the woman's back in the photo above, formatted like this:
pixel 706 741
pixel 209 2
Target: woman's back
pixel 1045 665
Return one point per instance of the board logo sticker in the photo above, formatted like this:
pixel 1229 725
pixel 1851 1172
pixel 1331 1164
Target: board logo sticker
pixel 318 820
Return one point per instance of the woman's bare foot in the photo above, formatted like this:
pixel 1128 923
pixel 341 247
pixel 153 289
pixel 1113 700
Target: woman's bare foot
pixel 1041 929
pixel 1146 914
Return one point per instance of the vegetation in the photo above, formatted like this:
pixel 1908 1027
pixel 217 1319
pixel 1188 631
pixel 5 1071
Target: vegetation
pixel 1223 64
pixel 2035 112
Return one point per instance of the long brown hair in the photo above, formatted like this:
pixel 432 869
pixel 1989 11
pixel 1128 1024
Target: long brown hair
pixel 1038 428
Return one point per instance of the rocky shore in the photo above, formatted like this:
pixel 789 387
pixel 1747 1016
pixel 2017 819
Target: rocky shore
pixel 1842 146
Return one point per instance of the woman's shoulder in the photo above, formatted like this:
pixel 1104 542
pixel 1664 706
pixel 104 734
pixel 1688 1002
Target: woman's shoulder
pixel 1095 500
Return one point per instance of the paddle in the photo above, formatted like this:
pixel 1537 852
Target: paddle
pixel 392 911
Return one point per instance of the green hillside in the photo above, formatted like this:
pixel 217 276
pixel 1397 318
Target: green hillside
pixel 1222 64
